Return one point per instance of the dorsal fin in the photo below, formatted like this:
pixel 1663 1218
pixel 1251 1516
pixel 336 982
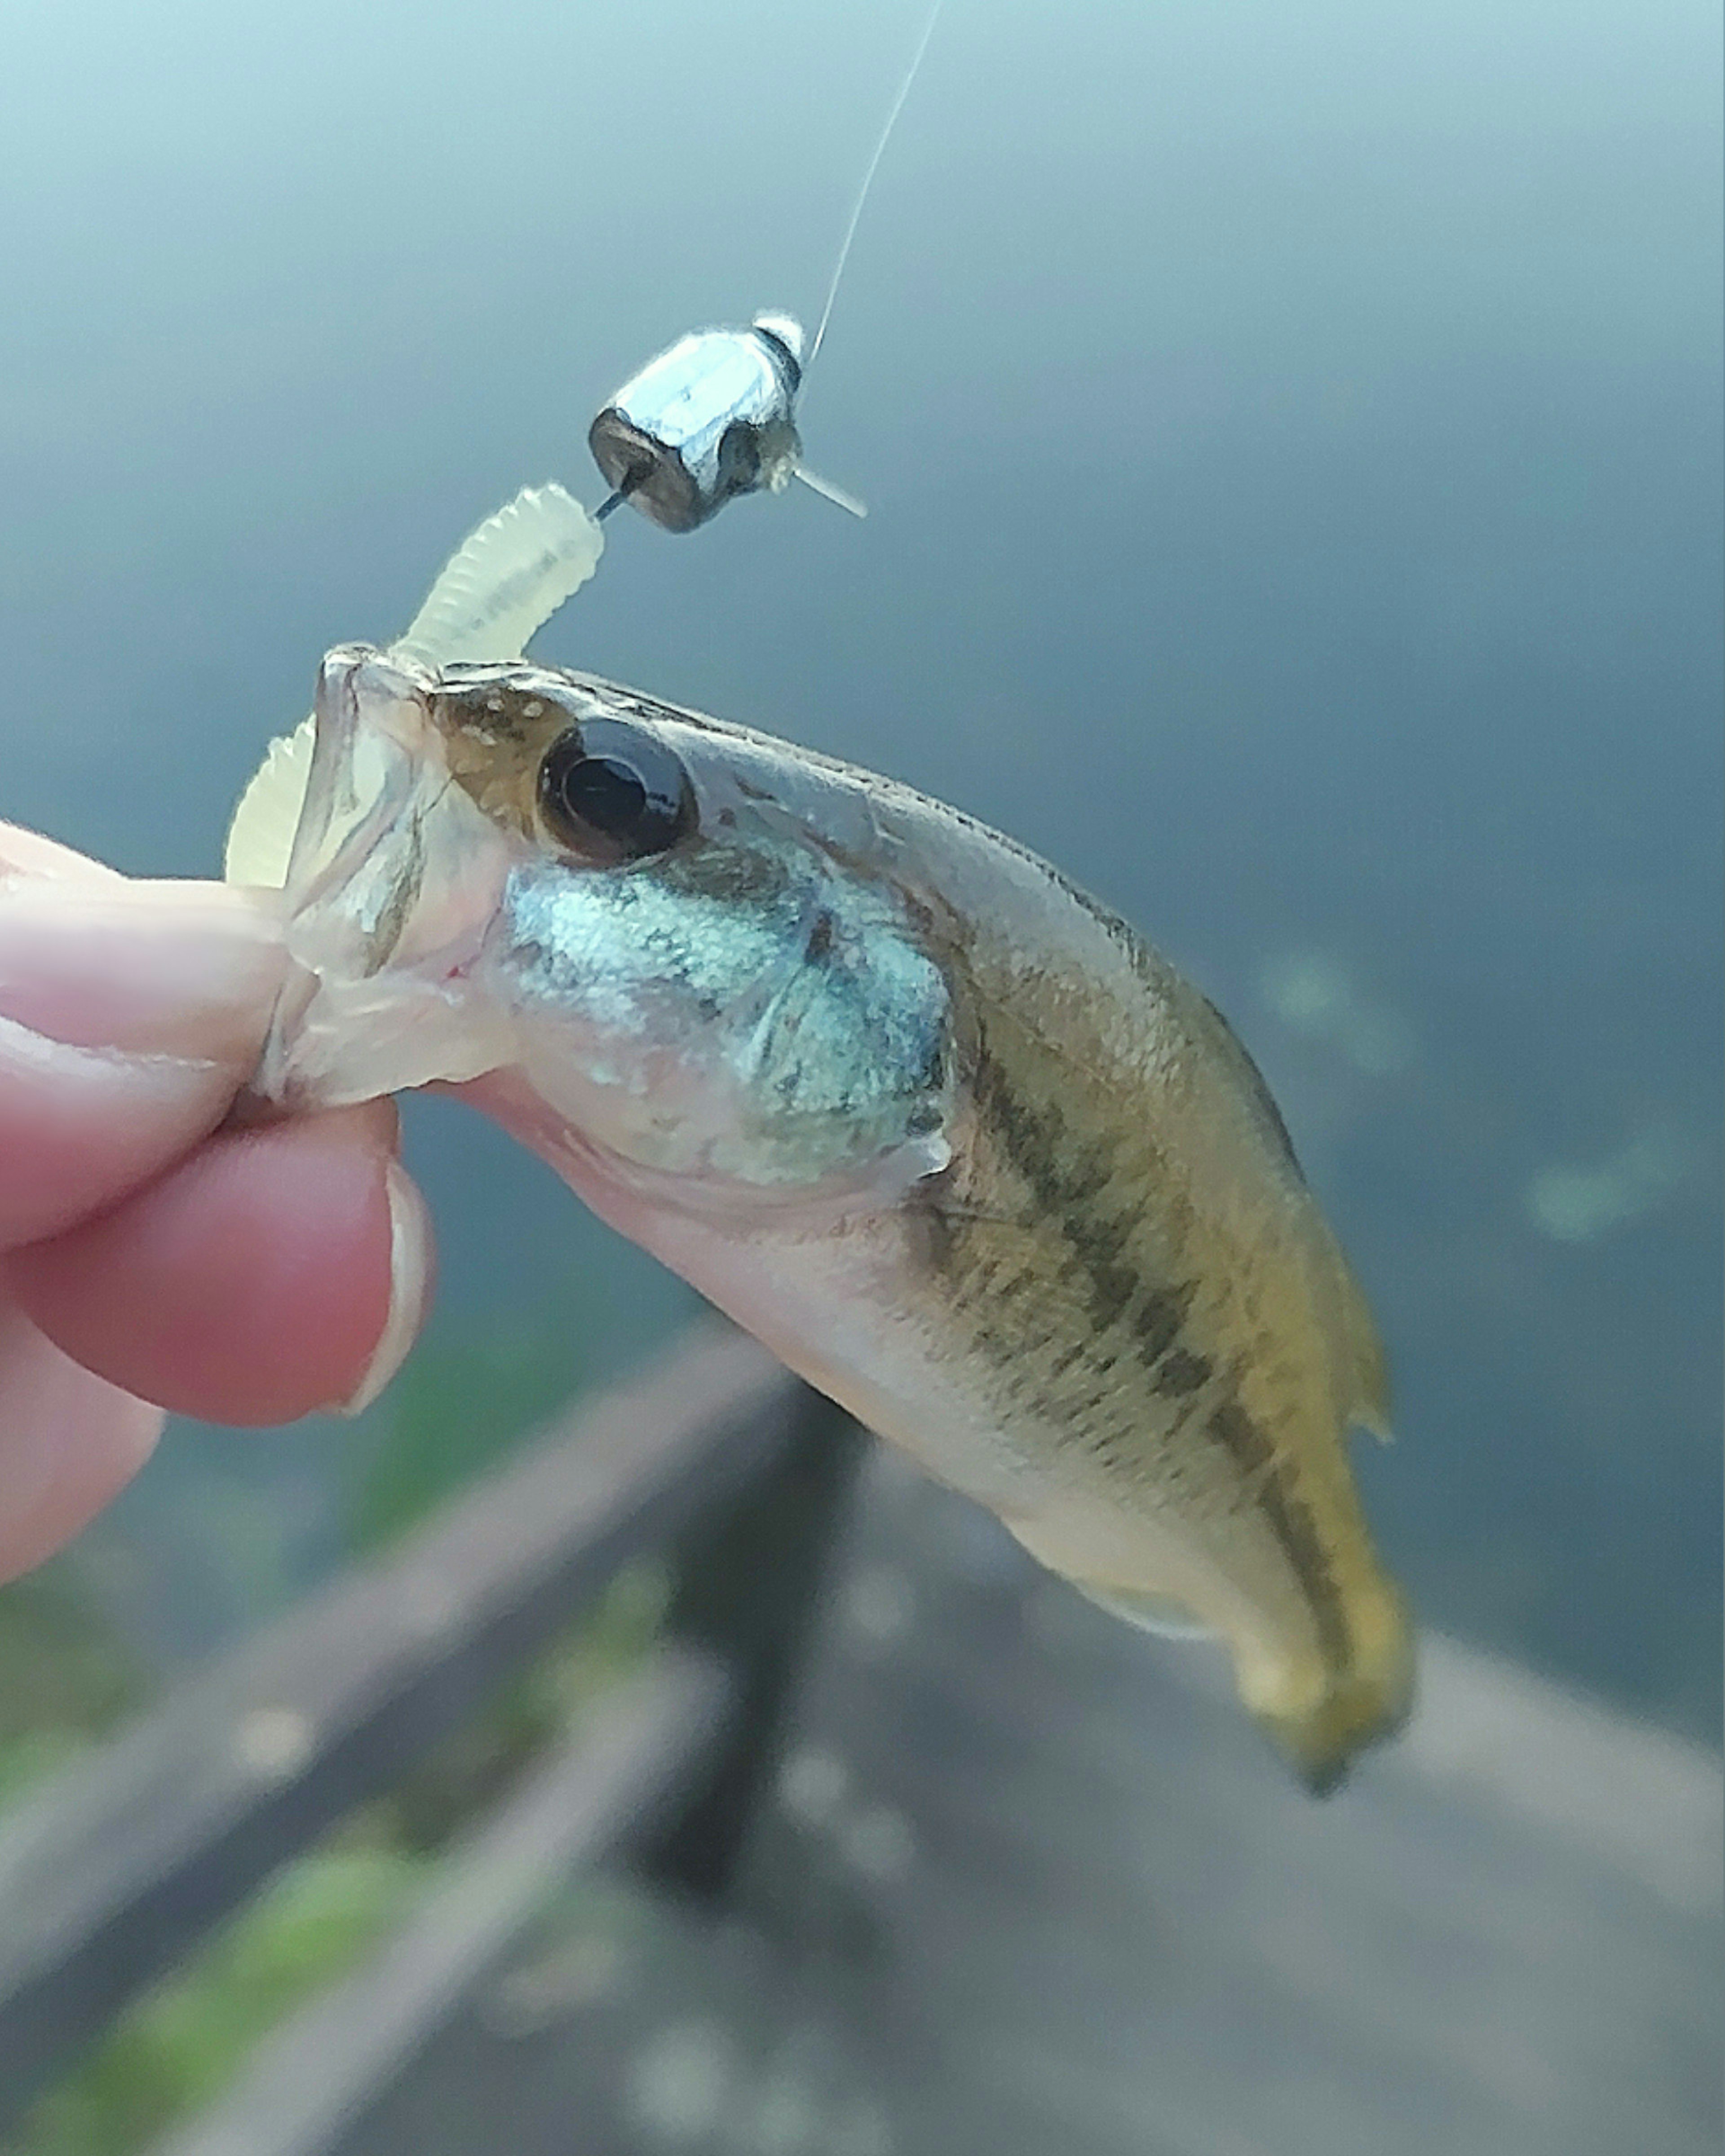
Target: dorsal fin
pixel 1367 1366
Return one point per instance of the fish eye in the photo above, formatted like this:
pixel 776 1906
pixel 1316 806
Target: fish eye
pixel 612 792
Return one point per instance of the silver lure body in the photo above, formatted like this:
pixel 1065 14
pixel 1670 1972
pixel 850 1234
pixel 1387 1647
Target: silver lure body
pixel 712 416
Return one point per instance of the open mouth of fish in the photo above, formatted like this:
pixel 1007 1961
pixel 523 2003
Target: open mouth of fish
pixel 392 881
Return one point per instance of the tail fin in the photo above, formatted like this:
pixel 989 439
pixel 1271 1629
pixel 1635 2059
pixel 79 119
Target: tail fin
pixel 1358 1706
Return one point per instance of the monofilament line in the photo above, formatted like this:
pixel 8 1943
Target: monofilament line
pixel 862 194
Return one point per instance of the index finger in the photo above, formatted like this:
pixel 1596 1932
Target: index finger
pixel 131 1014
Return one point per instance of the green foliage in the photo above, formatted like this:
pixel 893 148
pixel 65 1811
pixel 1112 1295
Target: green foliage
pixel 472 1767
pixel 182 2041
pixel 179 2043
pixel 65 1679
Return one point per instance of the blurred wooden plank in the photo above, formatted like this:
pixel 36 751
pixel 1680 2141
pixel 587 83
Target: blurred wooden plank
pixel 314 2077
pixel 1033 1883
pixel 106 1877
pixel 1645 1801
pixel 1088 1888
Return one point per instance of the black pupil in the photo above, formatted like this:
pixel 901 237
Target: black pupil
pixel 612 793
pixel 607 793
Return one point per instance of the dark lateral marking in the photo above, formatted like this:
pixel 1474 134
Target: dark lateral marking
pixel 1113 1285
pixel 1115 1292
pixel 1291 1521
pixel 1158 977
pixel 1157 1324
pixel 1066 1188
pixel 1180 1372
pixel 1232 1428
pixel 1032 1138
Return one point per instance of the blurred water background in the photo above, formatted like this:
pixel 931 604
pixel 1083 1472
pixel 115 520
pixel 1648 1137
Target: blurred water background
pixel 1292 436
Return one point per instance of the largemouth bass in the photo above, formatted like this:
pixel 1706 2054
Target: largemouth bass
pixel 940 1129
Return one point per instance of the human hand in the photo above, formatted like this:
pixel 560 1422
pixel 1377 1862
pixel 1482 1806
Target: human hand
pixel 150 1257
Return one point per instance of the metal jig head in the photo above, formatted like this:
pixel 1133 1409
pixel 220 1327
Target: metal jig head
pixel 714 415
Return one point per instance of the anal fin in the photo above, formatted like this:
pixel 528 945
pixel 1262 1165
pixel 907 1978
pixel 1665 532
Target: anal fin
pixel 1159 1614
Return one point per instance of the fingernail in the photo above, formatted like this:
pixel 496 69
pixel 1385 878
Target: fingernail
pixel 409 1287
pixel 183 969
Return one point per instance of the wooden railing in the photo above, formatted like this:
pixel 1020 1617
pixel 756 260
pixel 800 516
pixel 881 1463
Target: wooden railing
pixel 110 1874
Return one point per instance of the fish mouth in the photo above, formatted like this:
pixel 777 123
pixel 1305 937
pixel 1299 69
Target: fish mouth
pixel 393 880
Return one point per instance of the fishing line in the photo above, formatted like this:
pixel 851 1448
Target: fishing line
pixel 868 178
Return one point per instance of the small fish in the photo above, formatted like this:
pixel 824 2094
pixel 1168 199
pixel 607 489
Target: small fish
pixel 939 1128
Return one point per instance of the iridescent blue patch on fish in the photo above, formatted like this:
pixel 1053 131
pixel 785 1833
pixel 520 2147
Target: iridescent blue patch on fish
pixel 773 977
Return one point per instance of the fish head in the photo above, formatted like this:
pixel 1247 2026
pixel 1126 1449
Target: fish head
pixel 683 940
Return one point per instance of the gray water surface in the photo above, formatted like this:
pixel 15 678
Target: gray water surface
pixel 1293 437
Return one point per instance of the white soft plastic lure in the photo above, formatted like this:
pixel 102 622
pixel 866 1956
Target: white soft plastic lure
pixel 937 1127
pixel 495 592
